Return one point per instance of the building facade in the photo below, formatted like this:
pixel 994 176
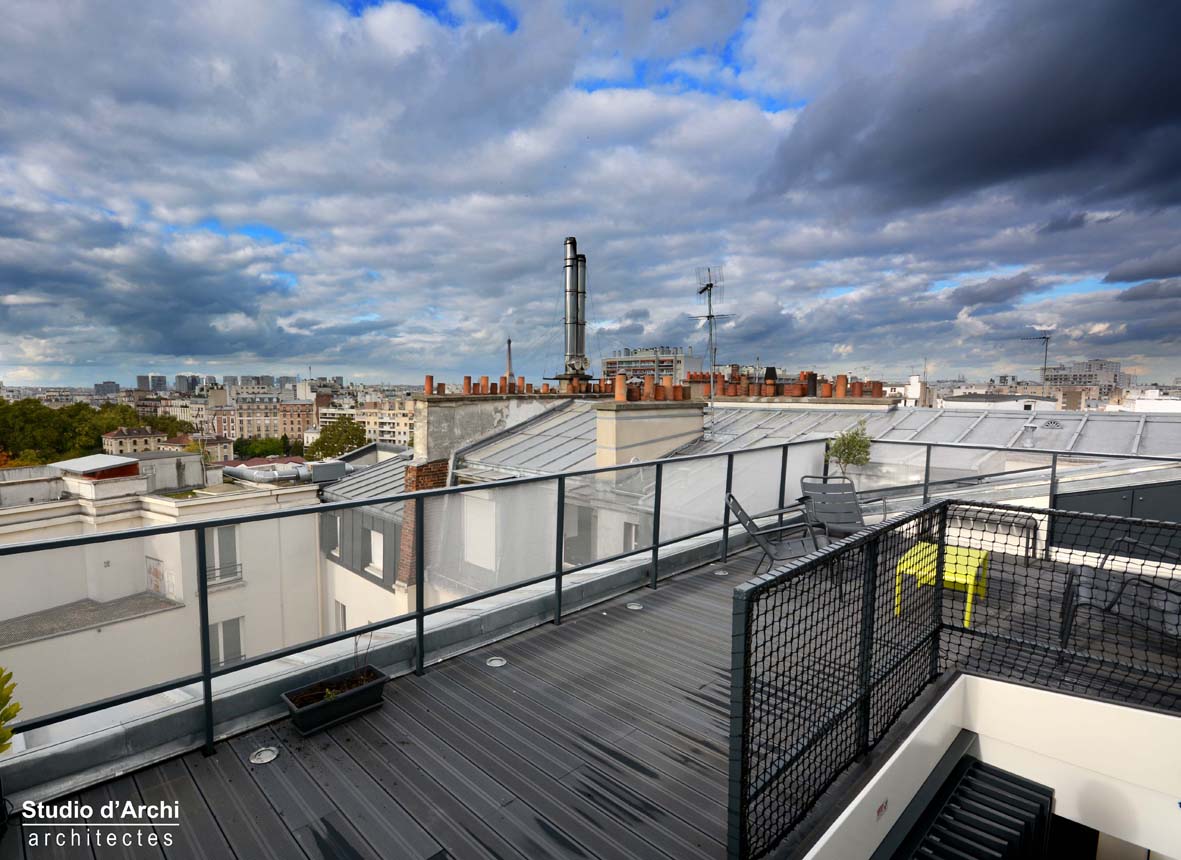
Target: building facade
pixel 132 440
pixel 1105 374
pixel 658 361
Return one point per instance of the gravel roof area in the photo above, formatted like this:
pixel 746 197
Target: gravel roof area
pixel 80 615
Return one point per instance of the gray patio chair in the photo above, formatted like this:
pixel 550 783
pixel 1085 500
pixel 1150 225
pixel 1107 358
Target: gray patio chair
pixel 831 506
pixel 760 534
pixel 1150 602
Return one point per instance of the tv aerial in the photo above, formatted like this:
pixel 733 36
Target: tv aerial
pixel 710 280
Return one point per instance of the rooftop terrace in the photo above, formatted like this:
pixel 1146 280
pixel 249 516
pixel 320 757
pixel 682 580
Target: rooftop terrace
pixel 613 733
pixel 603 737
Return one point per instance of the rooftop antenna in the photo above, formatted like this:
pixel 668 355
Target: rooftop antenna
pixel 1043 334
pixel 710 278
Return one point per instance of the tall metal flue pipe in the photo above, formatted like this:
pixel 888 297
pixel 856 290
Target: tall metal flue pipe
pixel 582 311
pixel 572 317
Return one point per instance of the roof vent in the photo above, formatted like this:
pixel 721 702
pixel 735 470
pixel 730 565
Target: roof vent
pixel 1053 424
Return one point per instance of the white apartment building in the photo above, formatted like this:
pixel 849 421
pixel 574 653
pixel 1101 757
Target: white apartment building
pixel 79 624
pixel 658 361
pixel 1106 374
pixel 384 421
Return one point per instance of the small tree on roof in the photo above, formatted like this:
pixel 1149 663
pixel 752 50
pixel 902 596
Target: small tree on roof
pixel 8 710
pixel 850 447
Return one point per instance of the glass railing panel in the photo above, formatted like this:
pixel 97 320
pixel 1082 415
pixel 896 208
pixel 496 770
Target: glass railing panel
pixel 607 514
pixel 693 496
pixel 488 538
pixel 756 479
pixel 890 465
pixel 86 623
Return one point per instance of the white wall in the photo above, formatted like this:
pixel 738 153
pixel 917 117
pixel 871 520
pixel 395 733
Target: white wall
pixel 364 601
pixel 1112 768
pixel 279 593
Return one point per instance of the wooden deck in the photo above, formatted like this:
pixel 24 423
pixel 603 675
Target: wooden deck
pixel 605 736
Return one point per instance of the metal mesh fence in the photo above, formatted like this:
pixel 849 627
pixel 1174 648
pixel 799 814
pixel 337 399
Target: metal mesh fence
pixel 831 651
pixel 827 667
pixel 1082 603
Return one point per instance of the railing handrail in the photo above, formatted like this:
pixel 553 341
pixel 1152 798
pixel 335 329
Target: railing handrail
pixel 1019 449
pixel 349 504
pixel 419 497
pixel 327 507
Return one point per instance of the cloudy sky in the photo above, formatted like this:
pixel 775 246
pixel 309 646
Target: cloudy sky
pixel 383 189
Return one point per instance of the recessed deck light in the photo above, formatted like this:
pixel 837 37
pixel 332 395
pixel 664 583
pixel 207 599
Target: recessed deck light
pixel 495 662
pixel 721 572
pixel 635 607
pixel 264 755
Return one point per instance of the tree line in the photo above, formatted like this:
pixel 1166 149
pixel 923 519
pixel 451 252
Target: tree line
pixel 32 433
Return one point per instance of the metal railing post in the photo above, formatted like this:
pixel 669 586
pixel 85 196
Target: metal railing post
pixel 559 555
pixel 865 648
pixel 927 476
pixel 206 659
pixel 1050 506
pixel 726 507
pixel 782 482
pixel 739 774
pixel 937 634
pixel 656 525
pixel 419 584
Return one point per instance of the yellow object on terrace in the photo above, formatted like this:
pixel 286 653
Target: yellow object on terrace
pixel 963 569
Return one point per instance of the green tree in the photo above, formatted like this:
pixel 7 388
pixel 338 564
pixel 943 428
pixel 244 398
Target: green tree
pixel 343 434
pixel 43 435
pixel 169 425
pixel 850 447
pixel 244 449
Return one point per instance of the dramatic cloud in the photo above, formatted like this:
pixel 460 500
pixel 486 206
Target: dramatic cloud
pixel 1080 98
pixel 379 189
pixel 1163 264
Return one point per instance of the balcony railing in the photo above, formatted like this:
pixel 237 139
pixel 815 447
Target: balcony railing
pixel 829 651
pixel 442 550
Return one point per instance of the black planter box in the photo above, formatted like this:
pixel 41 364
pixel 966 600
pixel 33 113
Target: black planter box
pixel 324 713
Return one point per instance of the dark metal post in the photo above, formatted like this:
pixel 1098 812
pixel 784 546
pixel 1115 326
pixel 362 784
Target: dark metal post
pixel 782 482
pixel 937 634
pixel 559 558
pixel 419 584
pixel 1053 504
pixel 927 477
pixel 656 525
pixel 824 469
pixel 206 660
pixel 865 649
pixel 726 507
pixel 739 658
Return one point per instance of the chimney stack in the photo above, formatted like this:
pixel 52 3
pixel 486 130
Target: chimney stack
pixel 576 363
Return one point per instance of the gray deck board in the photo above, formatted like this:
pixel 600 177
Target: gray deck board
pixel 604 736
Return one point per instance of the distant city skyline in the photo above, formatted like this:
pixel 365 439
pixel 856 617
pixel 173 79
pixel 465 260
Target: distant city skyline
pixel 381 189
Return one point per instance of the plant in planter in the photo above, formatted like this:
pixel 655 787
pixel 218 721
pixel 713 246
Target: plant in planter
pixel 850 448
pixel 8 711
pixel 333 700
